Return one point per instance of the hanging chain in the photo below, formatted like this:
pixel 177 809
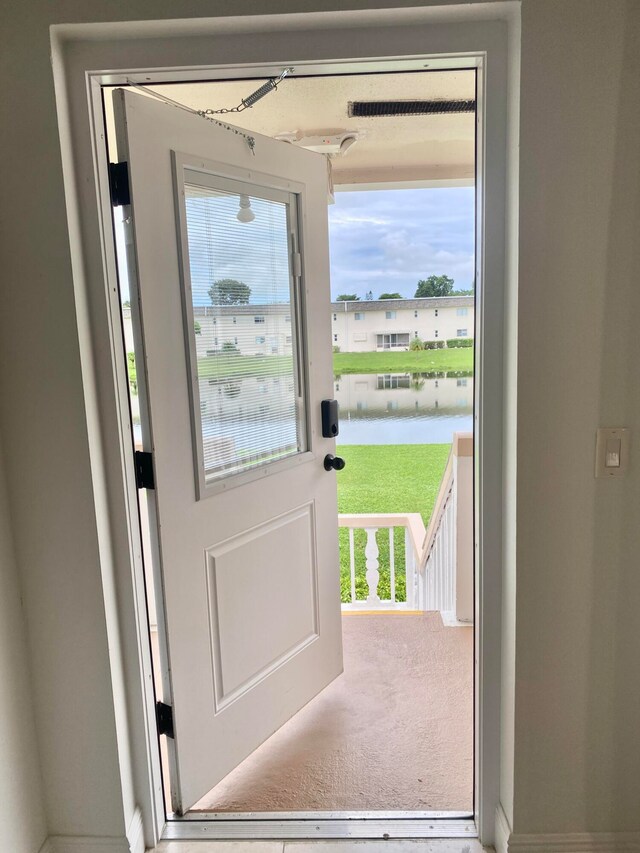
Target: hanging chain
pixel 245 104
pixel 251 140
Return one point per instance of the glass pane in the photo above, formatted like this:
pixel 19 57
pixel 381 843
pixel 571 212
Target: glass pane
pixel 244 329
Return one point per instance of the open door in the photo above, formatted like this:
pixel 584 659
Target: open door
pixel 229 270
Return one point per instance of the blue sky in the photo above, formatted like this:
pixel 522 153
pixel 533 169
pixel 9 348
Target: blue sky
pixel 387 240
pixel 381 240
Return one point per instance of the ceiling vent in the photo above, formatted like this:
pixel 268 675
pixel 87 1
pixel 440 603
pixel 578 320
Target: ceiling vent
pixel 377 109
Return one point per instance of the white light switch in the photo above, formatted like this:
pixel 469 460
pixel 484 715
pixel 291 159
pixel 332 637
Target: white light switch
pixel 612 452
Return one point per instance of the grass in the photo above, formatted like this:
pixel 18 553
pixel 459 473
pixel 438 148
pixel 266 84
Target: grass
pixel 386 478
pixel 423 361
pixel 236 365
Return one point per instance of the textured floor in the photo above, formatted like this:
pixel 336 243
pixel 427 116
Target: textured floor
pixel 395 731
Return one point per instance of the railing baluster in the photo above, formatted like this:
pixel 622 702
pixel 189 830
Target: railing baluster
pixel 392 565
pixel 352 565
pixel 372 553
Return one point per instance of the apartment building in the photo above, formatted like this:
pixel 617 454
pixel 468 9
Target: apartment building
pixel 355 326
pixel 392 323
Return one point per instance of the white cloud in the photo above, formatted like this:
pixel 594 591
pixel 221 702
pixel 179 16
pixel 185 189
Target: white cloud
pixel 391 239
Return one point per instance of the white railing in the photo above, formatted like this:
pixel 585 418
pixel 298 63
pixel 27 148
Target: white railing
pixel 373 524
pixel 445 577
pixel 438 561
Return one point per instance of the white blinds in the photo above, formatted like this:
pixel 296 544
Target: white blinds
pixel 244 329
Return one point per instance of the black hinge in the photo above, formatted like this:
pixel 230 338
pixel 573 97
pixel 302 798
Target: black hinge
pixel 119 184
pixel 143 461
pixel 164 717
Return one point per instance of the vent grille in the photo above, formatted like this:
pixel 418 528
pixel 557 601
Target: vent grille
pixel 374 109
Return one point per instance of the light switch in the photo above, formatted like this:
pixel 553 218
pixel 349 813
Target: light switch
pixel 612 452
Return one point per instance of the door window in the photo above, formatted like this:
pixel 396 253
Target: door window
pixel 237 243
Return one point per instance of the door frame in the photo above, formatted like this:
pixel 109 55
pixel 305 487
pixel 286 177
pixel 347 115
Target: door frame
pixel 86 57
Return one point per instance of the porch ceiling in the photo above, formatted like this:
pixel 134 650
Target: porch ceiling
pixel 396 148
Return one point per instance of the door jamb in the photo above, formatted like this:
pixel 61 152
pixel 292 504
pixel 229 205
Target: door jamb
pixel 76 51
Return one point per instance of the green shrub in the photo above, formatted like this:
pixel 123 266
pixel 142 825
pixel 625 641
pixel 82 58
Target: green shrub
pixel 336 349
pixel 458 343
pixel 416 344
pixel 439 344
pixel 229 347
pixel 431 344
pixel 131 367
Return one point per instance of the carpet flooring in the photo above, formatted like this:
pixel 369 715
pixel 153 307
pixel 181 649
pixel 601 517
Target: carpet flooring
pixel 393 732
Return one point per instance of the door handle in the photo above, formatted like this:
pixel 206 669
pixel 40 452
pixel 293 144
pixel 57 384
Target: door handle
pixel 335 463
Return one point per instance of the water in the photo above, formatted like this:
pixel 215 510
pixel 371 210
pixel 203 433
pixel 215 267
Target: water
pixel 403 408
pixel 391 408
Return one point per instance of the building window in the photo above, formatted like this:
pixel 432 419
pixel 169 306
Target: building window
pixel 335 316
pixel 461 383
pixel 234 319
pixel 415 334
pixel 235 340
pixel 259 319
pixel 462 312
pixel 435 312
pixel 390 315
pixel 358 315
pixel 461 333
pixel 415 314
pixel 259 339
pixel 435 334
pixel 335 339
pixel 393 341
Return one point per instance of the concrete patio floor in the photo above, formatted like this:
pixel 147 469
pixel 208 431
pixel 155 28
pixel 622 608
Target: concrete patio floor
pixel 394 732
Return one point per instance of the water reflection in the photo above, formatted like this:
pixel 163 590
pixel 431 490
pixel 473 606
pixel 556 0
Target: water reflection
pixel 404 408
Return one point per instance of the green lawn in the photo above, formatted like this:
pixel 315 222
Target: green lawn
pixel 386 478
pixel 233 366
pixel 423 361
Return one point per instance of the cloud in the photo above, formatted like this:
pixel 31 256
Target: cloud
pixel 390 239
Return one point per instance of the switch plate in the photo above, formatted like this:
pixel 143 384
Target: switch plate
pixel 612 451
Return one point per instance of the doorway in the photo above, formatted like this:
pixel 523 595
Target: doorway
pixel 214 339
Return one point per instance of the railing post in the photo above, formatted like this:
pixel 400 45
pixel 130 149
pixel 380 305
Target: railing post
pixel 371 554
pixel 410 571
pixel 463 527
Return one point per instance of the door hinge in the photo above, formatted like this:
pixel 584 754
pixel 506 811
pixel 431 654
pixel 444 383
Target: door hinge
pixel 143 461
pixel 119 184
pixel 164 718
pixel 296 264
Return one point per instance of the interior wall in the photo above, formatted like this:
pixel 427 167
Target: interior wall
pixel 577 697
pixel 24 829
pixel 577 704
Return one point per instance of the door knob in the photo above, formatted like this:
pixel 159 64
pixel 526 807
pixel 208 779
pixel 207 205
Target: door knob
pixel 336 463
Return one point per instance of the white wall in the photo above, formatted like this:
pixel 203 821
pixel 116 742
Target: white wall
pixel 23 828
pixel 576 753
pixel 577 710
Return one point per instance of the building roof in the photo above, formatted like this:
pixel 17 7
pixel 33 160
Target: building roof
pixel 394 304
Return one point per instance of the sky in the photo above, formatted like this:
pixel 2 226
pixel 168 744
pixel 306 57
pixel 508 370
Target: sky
pixel 387 240
pixel 380 241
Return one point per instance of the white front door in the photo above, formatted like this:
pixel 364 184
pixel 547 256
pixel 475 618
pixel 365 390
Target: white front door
pixel 230 299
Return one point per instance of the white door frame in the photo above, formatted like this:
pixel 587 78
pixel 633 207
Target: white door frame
pixel 88 56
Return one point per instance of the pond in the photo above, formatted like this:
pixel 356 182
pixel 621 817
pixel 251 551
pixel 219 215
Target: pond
pixel 403 408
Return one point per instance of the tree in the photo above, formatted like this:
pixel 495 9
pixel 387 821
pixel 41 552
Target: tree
pixel 435 285
pixel 228 291
pixel 391 296
pixel 347 297
pixel 463 292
